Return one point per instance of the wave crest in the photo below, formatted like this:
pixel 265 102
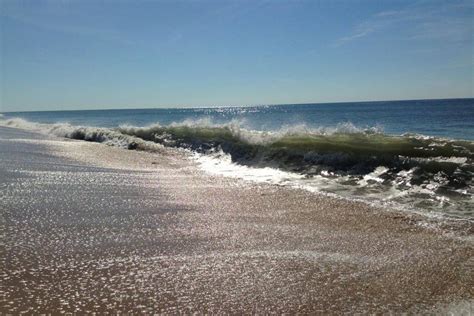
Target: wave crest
pixel 93 134
pixel 343 150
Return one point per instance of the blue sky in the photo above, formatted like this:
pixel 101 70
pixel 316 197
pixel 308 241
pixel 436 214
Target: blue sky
pixel 63 55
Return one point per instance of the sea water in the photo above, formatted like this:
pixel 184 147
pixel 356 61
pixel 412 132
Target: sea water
pixel 416 155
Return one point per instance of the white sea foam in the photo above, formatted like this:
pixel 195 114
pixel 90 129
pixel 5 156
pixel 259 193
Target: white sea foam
pixel 369 189
pixel 95 134
pixel 220 163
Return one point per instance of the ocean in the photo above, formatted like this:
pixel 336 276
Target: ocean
pixel 412 155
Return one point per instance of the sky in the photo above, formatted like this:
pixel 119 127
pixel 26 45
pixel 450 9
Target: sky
pixel 66 55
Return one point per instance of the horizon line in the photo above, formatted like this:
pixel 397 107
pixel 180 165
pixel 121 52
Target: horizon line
pixel 240 106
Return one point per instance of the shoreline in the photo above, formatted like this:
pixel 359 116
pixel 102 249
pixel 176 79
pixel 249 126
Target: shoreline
pixel 230 245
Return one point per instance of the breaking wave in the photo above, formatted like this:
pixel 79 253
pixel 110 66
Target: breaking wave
pixel 429 172
pixel 87 133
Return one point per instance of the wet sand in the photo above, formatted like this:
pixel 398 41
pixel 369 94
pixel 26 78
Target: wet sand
pixel 88 227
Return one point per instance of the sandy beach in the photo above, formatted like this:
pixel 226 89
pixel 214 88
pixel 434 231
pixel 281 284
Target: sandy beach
pixel 93 228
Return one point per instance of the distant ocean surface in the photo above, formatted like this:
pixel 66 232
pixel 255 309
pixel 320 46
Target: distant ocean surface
pixel 445 118
pixel 417 155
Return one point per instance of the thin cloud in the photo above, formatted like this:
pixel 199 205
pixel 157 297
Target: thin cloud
pixel 359 34
pixel 451 22
pixel 387 13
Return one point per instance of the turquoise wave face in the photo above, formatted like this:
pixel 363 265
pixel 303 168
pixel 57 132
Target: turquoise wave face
pixel 356 143
pixel 357 146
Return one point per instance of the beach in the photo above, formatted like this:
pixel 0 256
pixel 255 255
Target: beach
pixel 88 227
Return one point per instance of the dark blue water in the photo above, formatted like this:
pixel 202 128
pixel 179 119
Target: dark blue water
pixel 445 118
